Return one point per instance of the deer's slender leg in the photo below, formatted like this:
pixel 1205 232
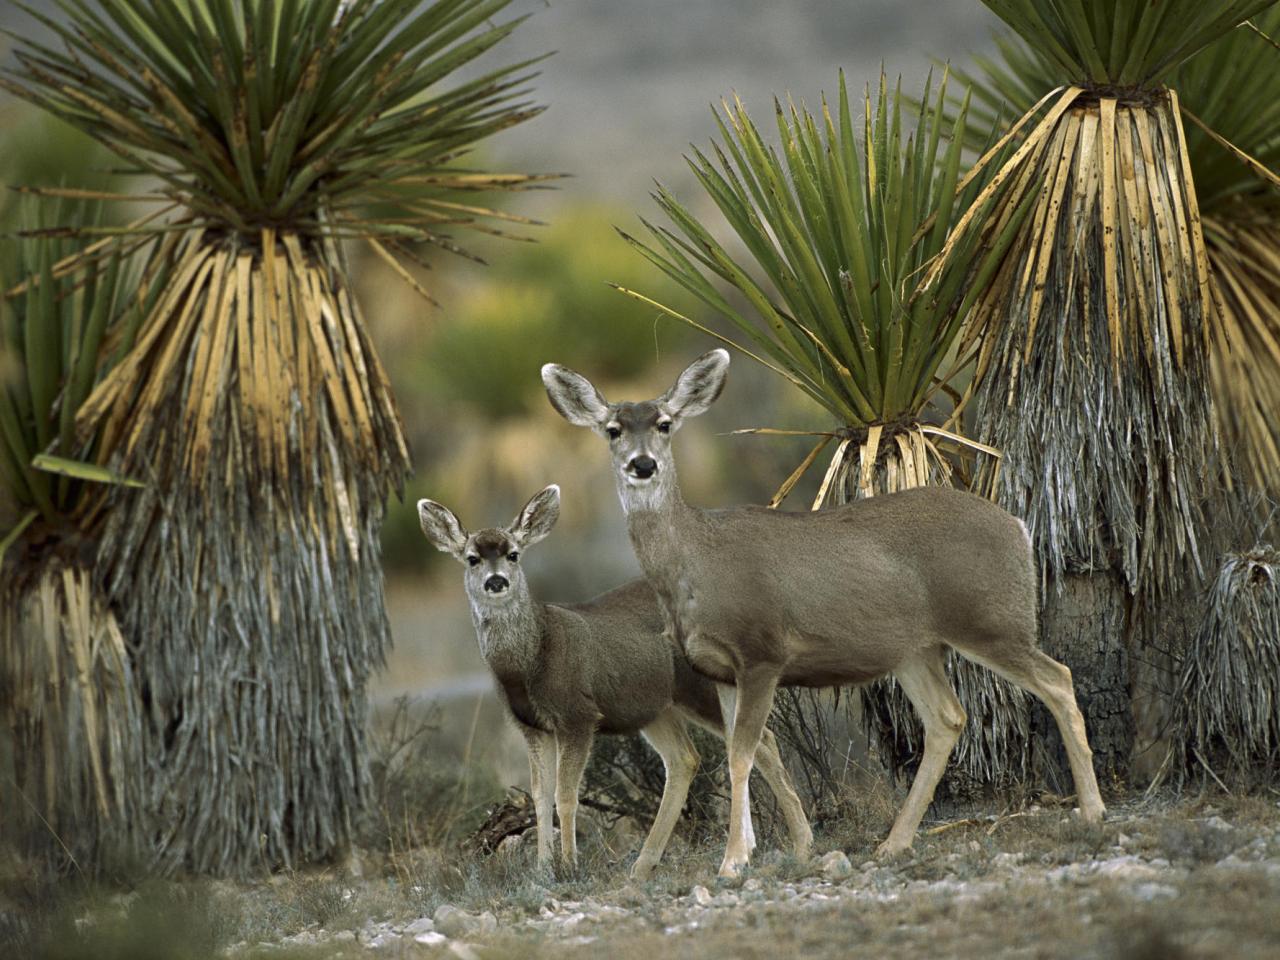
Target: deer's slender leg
pixel 572 749
pixel 668 736
pixel 1035 671
pixel 754 701
pixel 728 695
pixel 542 782
pixel 924 681
pixel 775 774
pixel 774 771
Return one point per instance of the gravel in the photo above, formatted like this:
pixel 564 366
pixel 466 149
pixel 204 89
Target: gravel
pixel 1125 869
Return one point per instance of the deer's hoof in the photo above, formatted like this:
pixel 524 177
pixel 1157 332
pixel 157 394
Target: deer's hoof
pixel 891 848
pixel 732 867
pixel 802 845
pixel 641 869
pixel 1092 813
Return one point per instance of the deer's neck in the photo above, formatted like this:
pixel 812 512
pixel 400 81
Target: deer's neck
pixel 510 634
pixel 661 526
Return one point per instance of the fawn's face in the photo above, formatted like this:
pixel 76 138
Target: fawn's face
pixel 639 434
pixel 493 573
pixel 491 557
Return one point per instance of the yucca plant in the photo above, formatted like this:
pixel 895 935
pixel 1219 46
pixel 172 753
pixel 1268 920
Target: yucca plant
pixel 830 235
pixel 1228 93
pixel 829 238
pixel 1225 715
pixel 1093 375
pixel 1227 89
pixel 249 397
pixel 70 706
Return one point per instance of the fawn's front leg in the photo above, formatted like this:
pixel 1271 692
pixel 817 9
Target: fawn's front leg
pixel 572 749
pixel 542 781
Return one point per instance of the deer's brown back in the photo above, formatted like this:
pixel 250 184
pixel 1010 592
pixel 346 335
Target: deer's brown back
pixel 843 595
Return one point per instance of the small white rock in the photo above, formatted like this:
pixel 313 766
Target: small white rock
pixel 835 865
pixel 1154 891
pixel 453 922
pixel 430 938
pixel 701 896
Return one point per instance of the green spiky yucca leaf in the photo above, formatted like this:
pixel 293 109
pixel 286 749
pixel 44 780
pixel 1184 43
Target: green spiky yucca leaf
pixel 52 329
pixel 318 116
pixel 833 230
pixel 1120 43
pixel 1226 85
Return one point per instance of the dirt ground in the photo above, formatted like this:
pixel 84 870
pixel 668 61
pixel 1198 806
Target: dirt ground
pixel 1167 877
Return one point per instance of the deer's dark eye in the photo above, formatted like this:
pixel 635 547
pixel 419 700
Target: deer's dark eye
pixel 513 556
pixel 473 560
pixel 664 426
pixel 613 432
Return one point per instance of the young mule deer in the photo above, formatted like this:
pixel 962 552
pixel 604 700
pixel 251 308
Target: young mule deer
pixel 760 598
pixel 568 671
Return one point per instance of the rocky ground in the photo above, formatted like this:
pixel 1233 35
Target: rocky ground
pixel 1187 879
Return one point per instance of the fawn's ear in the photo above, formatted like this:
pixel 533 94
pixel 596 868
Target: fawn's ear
pixel 697 388
pixel 537 517
pixel 442 528
pixel 574 396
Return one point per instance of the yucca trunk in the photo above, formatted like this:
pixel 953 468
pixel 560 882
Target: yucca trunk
pixel 246 574
pixel 1094 385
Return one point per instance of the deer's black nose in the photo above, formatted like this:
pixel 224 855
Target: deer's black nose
pixel 496 584
pixel 644 467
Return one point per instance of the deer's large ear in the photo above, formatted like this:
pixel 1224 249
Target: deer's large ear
pixel 697 388
pixel 574 396
pixel 537 517
pixel 441 527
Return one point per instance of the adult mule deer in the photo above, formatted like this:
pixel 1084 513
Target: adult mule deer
pixel 760 597
pixel 569 670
